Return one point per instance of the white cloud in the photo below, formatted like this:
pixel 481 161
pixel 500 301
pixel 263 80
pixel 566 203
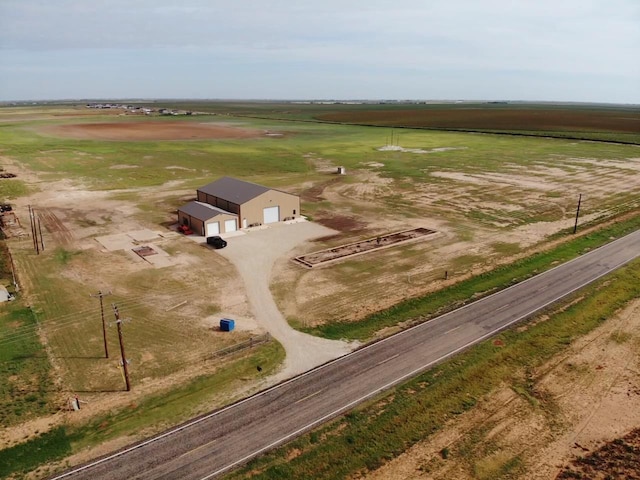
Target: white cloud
pixel 597 38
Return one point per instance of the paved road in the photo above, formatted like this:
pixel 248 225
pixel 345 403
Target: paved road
pixel 209 446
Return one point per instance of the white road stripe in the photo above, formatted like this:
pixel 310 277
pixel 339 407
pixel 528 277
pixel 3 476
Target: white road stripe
pixel 309 396
pixel 388 359
pixel 199 448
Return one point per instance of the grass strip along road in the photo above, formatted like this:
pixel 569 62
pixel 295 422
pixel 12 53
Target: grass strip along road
pixel 213 444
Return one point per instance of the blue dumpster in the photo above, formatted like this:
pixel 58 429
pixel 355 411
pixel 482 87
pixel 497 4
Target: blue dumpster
pixel 226 324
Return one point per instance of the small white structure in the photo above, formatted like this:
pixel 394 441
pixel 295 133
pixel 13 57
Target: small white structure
pixel 5 296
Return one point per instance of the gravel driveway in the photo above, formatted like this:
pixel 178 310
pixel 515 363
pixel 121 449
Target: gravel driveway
pixel 254 254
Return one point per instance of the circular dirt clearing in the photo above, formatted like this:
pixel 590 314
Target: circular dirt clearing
pixel 132 131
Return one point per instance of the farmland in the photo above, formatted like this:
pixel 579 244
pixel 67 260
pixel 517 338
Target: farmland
pixel 91 174
pixel 617 123
pixel 598 123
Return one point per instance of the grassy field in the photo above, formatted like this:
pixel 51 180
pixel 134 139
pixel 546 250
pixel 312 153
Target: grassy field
pixel 142 418
pixel 371 435
pixel 490 197
pixel 160 340
pixel 474 188
pixel 423 308
pixel 25 389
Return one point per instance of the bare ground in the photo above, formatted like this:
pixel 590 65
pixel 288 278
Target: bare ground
pixel 594 392
pixel 475 214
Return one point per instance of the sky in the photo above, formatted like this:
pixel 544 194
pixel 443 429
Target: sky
pixel 537 50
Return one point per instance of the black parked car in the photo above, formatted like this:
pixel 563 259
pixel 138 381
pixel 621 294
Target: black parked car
pixel 216 242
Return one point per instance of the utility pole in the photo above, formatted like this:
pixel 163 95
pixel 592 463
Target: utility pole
pixel 34 233
pixel 124 358
pixel 13 272
pixel 575 227
pixel 100 295
pixel 40 232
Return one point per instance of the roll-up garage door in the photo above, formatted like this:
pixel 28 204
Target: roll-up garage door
pixel 271 214
pixel 230 225
pixel 213 228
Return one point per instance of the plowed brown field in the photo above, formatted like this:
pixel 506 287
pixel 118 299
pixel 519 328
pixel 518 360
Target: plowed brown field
pixel 523 119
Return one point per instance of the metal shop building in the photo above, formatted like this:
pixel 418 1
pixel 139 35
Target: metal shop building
pixel 229 204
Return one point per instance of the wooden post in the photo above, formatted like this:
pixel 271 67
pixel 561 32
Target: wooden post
pixel 575 227
pixel 100 295
pixel 122 354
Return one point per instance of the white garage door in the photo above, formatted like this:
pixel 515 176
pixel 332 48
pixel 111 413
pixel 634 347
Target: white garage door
pixel 213 229
pixel 271 214
pixel 230 225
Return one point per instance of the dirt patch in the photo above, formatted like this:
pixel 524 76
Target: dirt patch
pixel 315 193
pixel 589 397
pixel 397 148
pixel 364 246
pixel 341 223
pixel 150 130
pixel 618 459
pixel 55 226
pixel 509 118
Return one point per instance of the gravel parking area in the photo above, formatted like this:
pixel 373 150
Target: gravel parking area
pixel 253 255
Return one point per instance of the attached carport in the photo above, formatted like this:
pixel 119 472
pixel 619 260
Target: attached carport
pixel 207 220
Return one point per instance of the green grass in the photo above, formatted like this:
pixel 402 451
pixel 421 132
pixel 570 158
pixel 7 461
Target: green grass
pixel 91 161
pixel 366 438
pixel 151 415
pixel 287 163
pixel 506 248
pixel 24 367
pixel 432 304
pixel 11 188
pixel 25 457
pixel 71 317
pixel 160 411
pixel 63 256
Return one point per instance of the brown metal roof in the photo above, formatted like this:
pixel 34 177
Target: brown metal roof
pixel 202 211
pixel 234 190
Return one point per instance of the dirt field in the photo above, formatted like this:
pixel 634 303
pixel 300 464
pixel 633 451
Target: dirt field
pixel 497 118
pixel 592 393
pixel 484 219
pixel 150 130
pixel 152 294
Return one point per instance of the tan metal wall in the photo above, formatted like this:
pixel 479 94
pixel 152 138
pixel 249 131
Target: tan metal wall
pixel 252 210
pixel 221 218
pixel 197 225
